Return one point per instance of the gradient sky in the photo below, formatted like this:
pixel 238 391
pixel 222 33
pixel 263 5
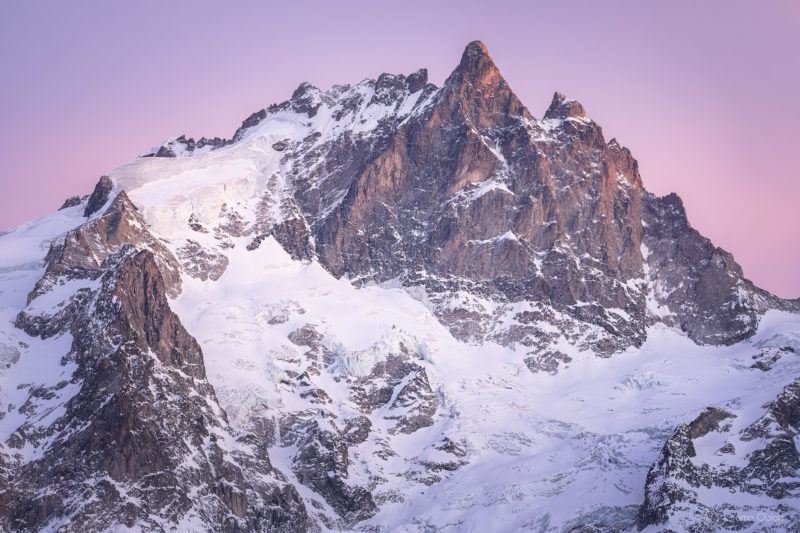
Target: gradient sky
pixel 705 94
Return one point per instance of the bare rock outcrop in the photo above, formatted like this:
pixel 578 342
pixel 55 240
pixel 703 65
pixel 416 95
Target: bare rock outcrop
pixel 757 468
pixel 99 196
pixel 139 440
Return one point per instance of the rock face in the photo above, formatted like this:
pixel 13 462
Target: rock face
pixel 563 108
pixel 72 201
pixel 755 467
pixel 701 285
pixel 181 145
pixel 475 192
pixel 543 222
pixel 141 441
pixel 99 196
pixel 85 248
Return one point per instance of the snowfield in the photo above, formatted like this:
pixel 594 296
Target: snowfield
pixel 541 449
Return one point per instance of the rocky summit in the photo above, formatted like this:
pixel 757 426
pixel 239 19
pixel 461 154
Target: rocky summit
pixel 391 307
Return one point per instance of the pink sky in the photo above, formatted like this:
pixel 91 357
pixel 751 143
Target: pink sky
pixel 705 94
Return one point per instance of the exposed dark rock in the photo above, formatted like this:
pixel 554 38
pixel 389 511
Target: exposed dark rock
pixel 200 263
pixel 216 142
pixel 416 404
pixel 451 447
pixel 256 242
pixel 547 362
pixel 231 224
pixel 708 296
pixel 99 196
pixel 195 225
pixel 661 491
pixel 417 80
pixel 769 475
pixel 82 252
pixel 322 463
pixel 305 99
pixel 356 430
pixel 470 193
pixel 249 122
pixel 141 384
pixel 606 519
pixel 563 107
pixel 768 356
pixel 306 336
pixel 72 201
pixel 708 421
pixel 318 354
pixel 294 236
pixel 404 384
pixel 183 146
pixel 728 449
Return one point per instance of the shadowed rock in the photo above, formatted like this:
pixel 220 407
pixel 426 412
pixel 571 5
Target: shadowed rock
pixel 99 196
pixel 767 478
pixel 72 201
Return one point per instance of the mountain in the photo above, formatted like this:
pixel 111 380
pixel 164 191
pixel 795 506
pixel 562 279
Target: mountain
pixel 391 306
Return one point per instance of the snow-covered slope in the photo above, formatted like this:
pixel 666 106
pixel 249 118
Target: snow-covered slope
pixel 506 449
pixel 391 307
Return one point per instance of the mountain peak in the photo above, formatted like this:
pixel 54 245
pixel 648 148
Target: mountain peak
pixel 99 196
pixel 477 87
pixel 417 80
pixel 563 107
pixel 475 62
pixel 475 49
